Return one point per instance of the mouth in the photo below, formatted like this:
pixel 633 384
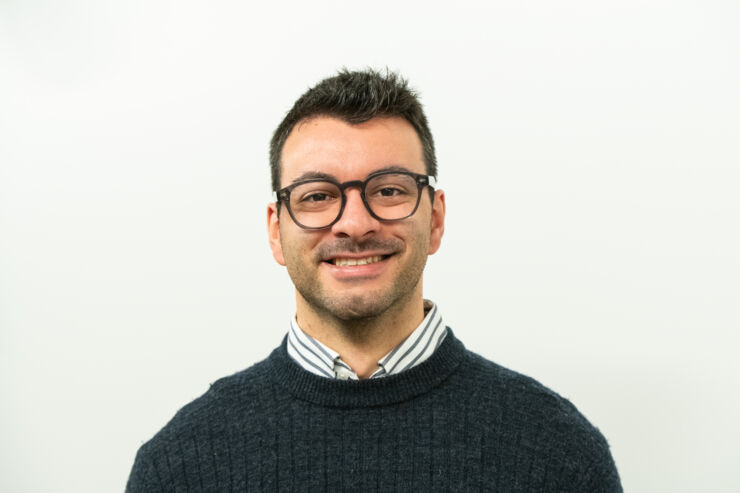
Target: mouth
pixel 343 262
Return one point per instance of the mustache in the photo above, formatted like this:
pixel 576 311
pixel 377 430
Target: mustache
pixel 348 245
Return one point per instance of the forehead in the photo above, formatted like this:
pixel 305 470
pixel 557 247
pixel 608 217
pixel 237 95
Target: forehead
pixel 350 151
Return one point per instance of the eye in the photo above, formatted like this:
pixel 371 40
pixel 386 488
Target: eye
pixel 316 194
pixel 390 186
pixel 389 191
pixel 315 197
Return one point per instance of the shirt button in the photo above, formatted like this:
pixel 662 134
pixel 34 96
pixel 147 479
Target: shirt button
pixel 342 373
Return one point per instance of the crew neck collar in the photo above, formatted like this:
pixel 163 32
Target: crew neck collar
pixel 371 392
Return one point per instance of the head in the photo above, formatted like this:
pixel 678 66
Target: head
pixel 348 128
pixel 356 97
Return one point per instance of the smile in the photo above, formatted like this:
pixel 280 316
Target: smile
pixel 341 262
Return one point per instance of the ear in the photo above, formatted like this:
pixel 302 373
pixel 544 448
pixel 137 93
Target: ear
pixel 273 233
pixel 438 221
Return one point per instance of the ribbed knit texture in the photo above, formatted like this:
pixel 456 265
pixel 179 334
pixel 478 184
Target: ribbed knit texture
pixel 457 423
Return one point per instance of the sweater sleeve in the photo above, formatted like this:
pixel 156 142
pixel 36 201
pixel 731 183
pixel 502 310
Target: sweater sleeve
pixel 143 476
pixel 602 476
pixel 604 482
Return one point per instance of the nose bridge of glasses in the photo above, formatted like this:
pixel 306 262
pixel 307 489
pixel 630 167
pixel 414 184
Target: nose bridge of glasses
pixel 355 210
pixel 359 184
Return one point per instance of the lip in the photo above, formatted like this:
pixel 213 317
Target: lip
pixel 356 272
pixel 357 255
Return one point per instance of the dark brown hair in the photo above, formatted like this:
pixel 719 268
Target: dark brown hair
pixel 356 97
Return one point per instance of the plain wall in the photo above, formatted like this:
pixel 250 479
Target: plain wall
pixel 589 153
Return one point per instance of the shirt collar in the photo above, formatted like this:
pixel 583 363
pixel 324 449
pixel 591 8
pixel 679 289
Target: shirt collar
pixel 319 359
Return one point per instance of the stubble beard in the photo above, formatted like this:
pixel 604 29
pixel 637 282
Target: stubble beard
pixel 360 308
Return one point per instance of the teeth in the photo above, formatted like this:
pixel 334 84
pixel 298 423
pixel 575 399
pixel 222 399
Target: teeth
pixel 357 261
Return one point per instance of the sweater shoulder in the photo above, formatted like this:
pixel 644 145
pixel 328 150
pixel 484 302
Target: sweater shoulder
pixel 206 417
pixel 539 418
pixel 524 400
pixel 493 378
pixel 215 404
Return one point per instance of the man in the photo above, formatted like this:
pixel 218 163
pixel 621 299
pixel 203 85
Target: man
pixel 369 391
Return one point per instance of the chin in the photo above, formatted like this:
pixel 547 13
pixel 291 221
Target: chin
pixel 354 307
pixel 359 308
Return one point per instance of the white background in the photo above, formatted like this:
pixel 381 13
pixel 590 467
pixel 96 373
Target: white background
pixel 589 152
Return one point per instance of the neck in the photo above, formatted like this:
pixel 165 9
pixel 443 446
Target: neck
pixel 362 342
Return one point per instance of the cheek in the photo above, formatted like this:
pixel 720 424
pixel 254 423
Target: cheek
pixel 297 247
pixel 416 240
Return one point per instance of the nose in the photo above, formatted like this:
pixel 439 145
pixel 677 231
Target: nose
pixel 356 221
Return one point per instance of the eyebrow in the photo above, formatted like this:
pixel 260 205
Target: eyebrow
pixel 318 175
pixel 313 175
pixel 389 168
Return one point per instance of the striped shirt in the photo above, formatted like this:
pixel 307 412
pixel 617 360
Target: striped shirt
pixel 317 358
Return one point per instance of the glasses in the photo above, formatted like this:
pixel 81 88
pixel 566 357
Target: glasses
pixel 318 203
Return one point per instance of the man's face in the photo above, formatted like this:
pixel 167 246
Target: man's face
pixel 391 255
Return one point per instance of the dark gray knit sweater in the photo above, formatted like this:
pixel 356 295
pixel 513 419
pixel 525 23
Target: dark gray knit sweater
pixel 457 422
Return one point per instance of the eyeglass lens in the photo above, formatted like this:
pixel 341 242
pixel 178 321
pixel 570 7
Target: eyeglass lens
pixel 389 196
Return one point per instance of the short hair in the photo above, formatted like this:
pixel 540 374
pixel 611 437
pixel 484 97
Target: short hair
pixel 356 97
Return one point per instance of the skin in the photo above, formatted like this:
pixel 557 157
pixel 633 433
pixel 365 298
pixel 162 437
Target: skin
pixel 362 311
